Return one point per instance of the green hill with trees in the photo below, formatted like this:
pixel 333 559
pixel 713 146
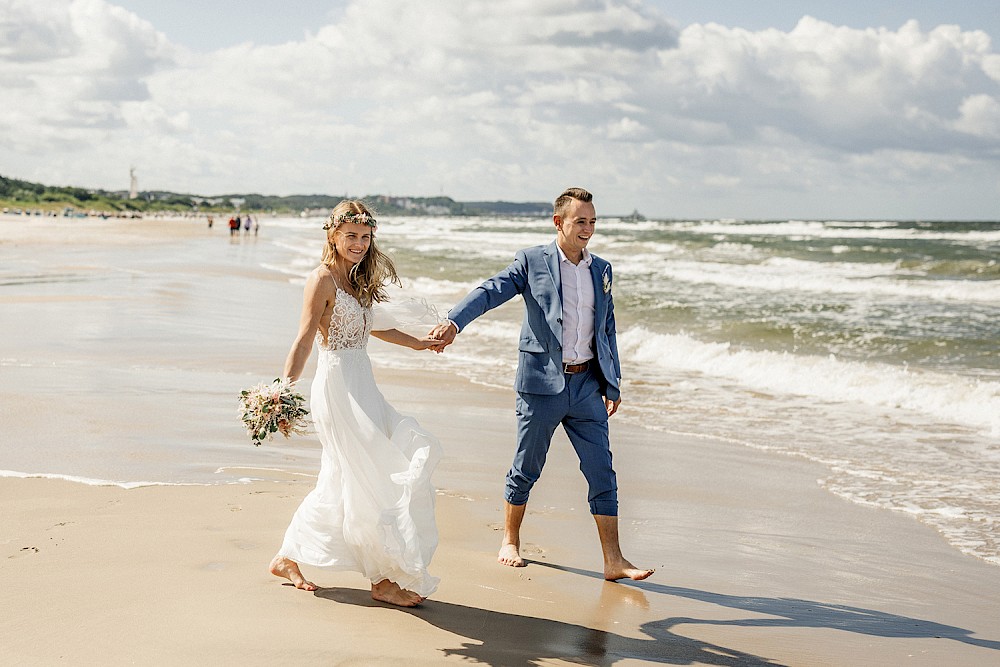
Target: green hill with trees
pixel 24 196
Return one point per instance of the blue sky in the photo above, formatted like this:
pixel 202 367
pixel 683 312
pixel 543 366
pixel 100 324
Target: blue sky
pixel 677 108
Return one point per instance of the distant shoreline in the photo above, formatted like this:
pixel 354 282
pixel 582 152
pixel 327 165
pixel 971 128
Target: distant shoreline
pixel 25 197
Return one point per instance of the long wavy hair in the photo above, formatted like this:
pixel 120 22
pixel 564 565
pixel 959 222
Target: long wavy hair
pixel 369 276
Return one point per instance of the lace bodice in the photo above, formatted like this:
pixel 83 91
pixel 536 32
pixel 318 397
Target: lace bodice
pixel 350 325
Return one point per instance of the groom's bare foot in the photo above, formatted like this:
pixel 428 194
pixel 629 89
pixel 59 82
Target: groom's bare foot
pixel 510 555
pixel 624 570
pixel 389 591
pixel 289 569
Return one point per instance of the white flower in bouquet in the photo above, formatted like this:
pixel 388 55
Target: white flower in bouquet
pixel 268 408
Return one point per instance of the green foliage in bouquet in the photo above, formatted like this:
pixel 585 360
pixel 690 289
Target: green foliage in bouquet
pixel 271 408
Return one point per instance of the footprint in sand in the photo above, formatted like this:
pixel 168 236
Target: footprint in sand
pixel 532 551
pixel 24 551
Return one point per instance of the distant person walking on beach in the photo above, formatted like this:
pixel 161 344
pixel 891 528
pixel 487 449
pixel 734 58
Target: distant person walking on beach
pixel 246 225
pixel 234 225
pixel 568 370
pixel 372 510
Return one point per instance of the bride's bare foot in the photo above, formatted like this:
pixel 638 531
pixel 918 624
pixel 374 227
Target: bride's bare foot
pixel 510 555
pixel 624 570
pixel 389 591
pixel 289 569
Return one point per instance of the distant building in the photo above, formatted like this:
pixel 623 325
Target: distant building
pixel 133 189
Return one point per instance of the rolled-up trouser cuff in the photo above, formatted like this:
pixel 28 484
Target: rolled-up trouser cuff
pixel 514 497
pixel 603 507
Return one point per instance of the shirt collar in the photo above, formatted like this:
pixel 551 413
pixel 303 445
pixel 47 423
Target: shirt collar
pixel 587 259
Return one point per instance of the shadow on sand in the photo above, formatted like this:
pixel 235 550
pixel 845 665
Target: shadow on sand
pixel 511 640
pixel 503 639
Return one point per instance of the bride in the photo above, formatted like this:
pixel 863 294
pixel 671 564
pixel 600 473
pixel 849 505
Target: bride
pixel 372 510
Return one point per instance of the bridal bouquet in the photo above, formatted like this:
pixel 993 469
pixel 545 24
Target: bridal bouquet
pixel 269 408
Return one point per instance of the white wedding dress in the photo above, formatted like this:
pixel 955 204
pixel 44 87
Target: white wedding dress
pixel 372 510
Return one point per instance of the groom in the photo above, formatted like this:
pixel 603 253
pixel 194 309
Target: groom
pixel 568 369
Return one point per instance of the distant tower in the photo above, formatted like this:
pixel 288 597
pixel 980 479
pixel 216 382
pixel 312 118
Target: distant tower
pixel 133 189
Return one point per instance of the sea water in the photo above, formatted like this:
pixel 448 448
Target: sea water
pixel 872 348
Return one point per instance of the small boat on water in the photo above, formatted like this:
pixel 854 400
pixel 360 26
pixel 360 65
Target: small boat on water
pixel 634 216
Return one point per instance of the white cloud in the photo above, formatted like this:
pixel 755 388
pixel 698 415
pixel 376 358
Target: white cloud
pixel 502 100
pixel 852 90
pixel 69 67
pixel 980 116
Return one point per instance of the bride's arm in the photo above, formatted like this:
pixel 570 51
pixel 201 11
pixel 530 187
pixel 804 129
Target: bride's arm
pixel 314 302
pixel 398 337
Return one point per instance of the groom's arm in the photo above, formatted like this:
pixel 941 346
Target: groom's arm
pixel 613 398
pixel 612 401
pixel 611 329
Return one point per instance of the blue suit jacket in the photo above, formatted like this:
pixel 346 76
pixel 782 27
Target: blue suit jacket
pixel 534 274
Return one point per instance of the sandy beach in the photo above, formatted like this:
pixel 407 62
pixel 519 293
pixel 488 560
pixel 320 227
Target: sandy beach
pixel 124 346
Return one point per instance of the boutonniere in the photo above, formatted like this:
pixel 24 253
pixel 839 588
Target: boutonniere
pixel 607 281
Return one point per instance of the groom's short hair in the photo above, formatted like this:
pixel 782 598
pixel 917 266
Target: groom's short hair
pixel 568 195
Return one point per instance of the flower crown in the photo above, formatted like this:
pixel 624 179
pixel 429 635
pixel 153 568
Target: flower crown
pixel 359 218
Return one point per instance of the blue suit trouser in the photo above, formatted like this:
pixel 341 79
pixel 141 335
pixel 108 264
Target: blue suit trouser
pixel 581 411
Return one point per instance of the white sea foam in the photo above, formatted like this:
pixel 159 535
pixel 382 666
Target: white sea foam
pixel 497 330
pixel 782 274
pixel 618 225
pixel 496 245
pixel 90 481
pixel 809 229
pixel 946 397
pixel 431 288
pixel 281 471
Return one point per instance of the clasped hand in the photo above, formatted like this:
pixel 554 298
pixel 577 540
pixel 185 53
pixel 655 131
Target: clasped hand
pixel 442 336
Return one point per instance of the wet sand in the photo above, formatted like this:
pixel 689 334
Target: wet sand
pixel 756 564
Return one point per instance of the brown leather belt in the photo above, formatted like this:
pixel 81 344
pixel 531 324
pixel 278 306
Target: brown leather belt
pixel 573 369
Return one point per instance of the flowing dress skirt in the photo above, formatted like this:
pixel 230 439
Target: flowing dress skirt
pixel 372 510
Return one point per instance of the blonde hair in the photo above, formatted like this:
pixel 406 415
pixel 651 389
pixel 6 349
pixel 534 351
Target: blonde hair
pixel 369 276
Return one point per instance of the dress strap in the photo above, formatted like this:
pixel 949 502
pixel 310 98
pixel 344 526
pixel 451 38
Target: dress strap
pixel 337 285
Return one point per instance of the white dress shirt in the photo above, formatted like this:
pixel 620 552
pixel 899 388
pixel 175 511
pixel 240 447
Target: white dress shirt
pixel 578 308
